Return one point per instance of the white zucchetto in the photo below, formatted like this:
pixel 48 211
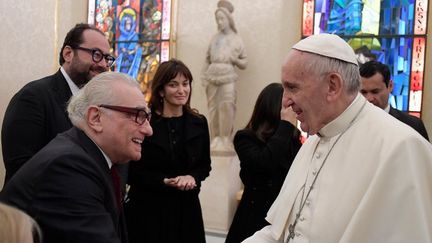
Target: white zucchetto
pixel 327 45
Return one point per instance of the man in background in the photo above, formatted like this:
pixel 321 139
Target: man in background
pixel 71 186
pixel 37 113
pixel 376 88
pixel 361 176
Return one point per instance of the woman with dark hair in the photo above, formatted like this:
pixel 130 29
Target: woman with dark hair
pixel 266 148
pixel 163 204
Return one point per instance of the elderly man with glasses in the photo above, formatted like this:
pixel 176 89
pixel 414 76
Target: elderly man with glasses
pixel 37 113
pixel 70 187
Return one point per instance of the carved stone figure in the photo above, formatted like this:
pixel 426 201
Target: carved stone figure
pixel 226 51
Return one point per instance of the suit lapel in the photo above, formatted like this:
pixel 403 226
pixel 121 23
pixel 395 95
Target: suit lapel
pixel 94 152
pixel 61 92
pixel 394 113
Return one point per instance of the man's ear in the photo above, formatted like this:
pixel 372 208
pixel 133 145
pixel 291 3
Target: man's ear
pixel 68 54
pixel 390 86
pixel 94 119
pixel 335 86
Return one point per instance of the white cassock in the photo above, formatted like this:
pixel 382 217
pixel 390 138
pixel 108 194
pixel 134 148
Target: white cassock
pixel 375 185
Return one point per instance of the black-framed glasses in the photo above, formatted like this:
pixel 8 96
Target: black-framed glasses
pixel 141 114
pixel 97 55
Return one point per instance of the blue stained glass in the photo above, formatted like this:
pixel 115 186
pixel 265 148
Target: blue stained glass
pixel 345 17
pixel 405 100
pixel 400 63
pixel 396 17
pixel 411 18
pixel 133 28
pixel 411 12
pixel 401 30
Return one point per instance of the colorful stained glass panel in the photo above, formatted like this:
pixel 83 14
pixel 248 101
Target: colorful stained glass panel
pixel 139 32
pixel 389 31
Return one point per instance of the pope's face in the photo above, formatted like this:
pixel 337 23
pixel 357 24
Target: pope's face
pixel 305 92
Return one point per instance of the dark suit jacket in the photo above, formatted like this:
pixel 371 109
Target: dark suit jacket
pixel 411 121
pixel 264 166
pixel 67 188
pixel 35 115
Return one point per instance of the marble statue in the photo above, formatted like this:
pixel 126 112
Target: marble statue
pixel 226 51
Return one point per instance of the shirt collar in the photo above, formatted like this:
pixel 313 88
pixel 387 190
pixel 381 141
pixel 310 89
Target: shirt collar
pixel 387 109
pixel 343 121
pixel 106 157
pixel 108 160
pixel 72 86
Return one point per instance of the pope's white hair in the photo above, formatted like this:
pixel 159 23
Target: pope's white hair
pixel 321 65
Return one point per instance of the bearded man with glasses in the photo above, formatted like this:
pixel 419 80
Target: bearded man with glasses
pixel 69 187
pixel 37 113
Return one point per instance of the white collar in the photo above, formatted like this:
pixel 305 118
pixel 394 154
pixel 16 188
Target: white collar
pixel 387 109
pixel 106 157
pixel 108 160
pixel 72 86
pixel 344 120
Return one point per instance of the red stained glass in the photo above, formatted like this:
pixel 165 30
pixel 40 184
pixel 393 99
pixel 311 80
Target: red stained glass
pixel 308 17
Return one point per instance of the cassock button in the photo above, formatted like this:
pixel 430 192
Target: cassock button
pixel 317 155
pixel 302 219
pixel 314 172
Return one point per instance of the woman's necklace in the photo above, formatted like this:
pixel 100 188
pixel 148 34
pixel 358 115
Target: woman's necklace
pixel 291 227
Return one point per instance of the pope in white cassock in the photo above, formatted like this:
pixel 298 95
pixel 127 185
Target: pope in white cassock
pixel 362 175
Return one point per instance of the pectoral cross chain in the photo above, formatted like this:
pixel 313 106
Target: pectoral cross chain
pixel 291 228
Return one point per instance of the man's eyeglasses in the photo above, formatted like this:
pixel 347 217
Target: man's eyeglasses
pixel 97 55
pixel 141 114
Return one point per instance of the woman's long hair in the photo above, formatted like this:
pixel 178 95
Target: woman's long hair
pixel 266 114
pixel 166 72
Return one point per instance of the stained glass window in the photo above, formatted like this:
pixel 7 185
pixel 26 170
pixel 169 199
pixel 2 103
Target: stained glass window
pixel 390 31
pixel 139 32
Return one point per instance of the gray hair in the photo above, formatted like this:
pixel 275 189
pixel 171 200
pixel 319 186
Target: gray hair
pixel 99 90
pixel 321 65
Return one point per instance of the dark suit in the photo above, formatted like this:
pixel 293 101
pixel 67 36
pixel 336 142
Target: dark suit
pixel 411 121
pixel 67 188
pixel 34 116
pixel 158 213
pixel 264 166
